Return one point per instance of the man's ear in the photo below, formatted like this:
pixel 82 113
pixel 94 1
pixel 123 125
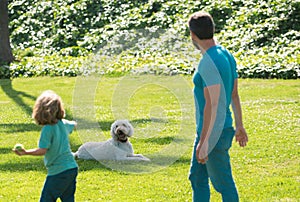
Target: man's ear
pixel 193 35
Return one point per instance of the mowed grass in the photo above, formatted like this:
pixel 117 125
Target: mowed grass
pixel 268 169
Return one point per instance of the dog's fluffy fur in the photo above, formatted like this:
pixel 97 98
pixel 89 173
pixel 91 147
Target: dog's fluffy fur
pixel 116 148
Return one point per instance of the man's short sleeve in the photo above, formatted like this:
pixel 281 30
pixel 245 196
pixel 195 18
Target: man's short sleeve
pixel 233 64
pixel 209 72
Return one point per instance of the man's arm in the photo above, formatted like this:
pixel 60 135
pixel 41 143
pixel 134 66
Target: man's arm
pixel 240 134
pixel 211 95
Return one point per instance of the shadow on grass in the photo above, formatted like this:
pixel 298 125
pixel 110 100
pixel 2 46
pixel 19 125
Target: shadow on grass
pixel 125 167
pixel 29 163
pixel 36 164
pixel 158 162
pixel 143 121
pixel 5 150
pixel 133 166
pixel 86 165
pixel 106 125
pixel 158 140
pixel 23 165
pixel 16 96
pixel 16 163
pixel 88 124
pixel 18 127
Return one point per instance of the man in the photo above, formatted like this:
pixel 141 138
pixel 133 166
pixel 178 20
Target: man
pixel 216 87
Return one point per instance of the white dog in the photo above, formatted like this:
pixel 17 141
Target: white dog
pixel 116 148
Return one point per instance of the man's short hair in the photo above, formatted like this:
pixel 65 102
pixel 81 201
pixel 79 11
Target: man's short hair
pixel 202 24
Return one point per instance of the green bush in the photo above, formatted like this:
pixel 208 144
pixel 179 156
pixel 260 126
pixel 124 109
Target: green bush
pixel 263 35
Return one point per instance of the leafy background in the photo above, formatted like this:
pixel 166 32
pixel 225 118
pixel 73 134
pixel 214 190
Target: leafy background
pixel 62 37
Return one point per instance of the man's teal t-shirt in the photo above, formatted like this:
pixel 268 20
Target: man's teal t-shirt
pixel 217 66
pixel 55 138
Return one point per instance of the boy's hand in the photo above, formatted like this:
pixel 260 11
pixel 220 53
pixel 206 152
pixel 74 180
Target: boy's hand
pixel 20 152
pixel 241 136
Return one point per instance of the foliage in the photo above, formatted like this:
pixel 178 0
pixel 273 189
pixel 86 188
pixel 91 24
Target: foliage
pixel 263 35
pixel 46 66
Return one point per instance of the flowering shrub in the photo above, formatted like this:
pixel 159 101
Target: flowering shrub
pixel 264 36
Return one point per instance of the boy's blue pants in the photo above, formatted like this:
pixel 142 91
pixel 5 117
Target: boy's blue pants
pixel 217 169
pixel 62 185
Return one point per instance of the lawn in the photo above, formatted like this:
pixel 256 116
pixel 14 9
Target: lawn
pixel 161 111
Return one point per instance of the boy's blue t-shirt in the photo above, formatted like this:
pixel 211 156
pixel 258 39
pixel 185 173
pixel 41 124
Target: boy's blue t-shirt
pixel 217 66
pixel 55 138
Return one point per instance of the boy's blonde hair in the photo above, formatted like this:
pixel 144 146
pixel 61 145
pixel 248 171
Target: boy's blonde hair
pixel 48 108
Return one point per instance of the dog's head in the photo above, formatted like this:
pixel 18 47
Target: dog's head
pixel 121 130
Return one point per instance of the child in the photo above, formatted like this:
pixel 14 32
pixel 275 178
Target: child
pixel 54 144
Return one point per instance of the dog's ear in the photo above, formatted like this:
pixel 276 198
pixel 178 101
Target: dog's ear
pixel 131 130
pixel 112 130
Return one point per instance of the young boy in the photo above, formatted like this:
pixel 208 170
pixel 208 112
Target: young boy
pixel 54 145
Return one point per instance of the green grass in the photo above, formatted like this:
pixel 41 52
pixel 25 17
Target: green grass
pixel 268 169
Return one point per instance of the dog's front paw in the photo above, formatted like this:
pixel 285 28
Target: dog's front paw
pixel 146 159
pixel 143 158
pixel 75 154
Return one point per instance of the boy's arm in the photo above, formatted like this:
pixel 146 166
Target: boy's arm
pixel 32 152
pixel 70 125
pixel 240 134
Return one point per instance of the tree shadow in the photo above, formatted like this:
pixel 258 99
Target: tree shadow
pixel 158 140
pixel 133 167
pixel 5 150
pixel 18 127
pixel 106 125
pixel 23 165
pixel 16 96
pixel 30 163
pixel 84 124
pixel 20 164
pixel 87 165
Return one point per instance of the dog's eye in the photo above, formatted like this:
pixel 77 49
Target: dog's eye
pixel 116 126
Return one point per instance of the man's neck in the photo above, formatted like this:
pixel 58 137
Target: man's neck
pixel 206 44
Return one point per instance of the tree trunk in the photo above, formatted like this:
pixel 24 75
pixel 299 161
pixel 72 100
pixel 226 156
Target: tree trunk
pixel 6 55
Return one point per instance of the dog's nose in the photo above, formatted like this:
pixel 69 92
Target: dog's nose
pixel 120 132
